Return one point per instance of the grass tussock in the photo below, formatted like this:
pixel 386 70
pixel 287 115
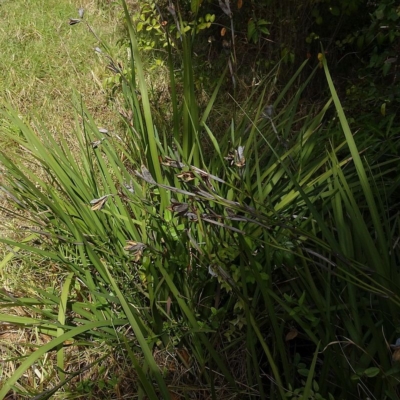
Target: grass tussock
pixel 261 265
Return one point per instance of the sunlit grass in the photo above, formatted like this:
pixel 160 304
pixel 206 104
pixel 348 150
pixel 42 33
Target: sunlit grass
pixel 44 59
pixel 45 62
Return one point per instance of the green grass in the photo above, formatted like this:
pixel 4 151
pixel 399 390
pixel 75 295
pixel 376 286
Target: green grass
pixel 272 272
pixel 44 59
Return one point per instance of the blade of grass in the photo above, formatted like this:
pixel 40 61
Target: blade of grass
pixel 61 319
pixel 361 173
pixel 145 348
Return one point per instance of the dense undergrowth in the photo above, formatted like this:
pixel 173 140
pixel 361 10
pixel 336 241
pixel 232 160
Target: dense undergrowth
pixel 264 265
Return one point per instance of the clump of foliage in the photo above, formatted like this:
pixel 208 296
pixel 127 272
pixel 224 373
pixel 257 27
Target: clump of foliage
pixel 268 266
pixel 360 40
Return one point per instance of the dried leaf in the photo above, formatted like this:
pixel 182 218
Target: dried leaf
pixel 168 306
pixel 291 335
pixel 184 354
pixel 98 204
pixel 240 151
pixel 127 114
pixel 96 144
pixel 209 216
pixel 231 215
pixel 223 31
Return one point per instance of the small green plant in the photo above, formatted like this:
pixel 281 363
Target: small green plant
pixel 147 20
pixel 153 28
pixel 257 28
pixel 298 394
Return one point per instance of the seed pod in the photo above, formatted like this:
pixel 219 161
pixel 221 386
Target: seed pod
pixel 230 157
pixel 146 175
pixel 169 162
pixel 133 246
pixel 74 21
pixel 179 208
pixel 136 248
pixel 112 67
pixel 104 131
pixel 96 143
pixel 186 176
pixel 98 204
pixel 129 188
pixel 191 216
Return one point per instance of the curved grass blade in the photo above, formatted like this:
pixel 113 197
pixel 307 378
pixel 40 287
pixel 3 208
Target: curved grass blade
pixel 29 361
